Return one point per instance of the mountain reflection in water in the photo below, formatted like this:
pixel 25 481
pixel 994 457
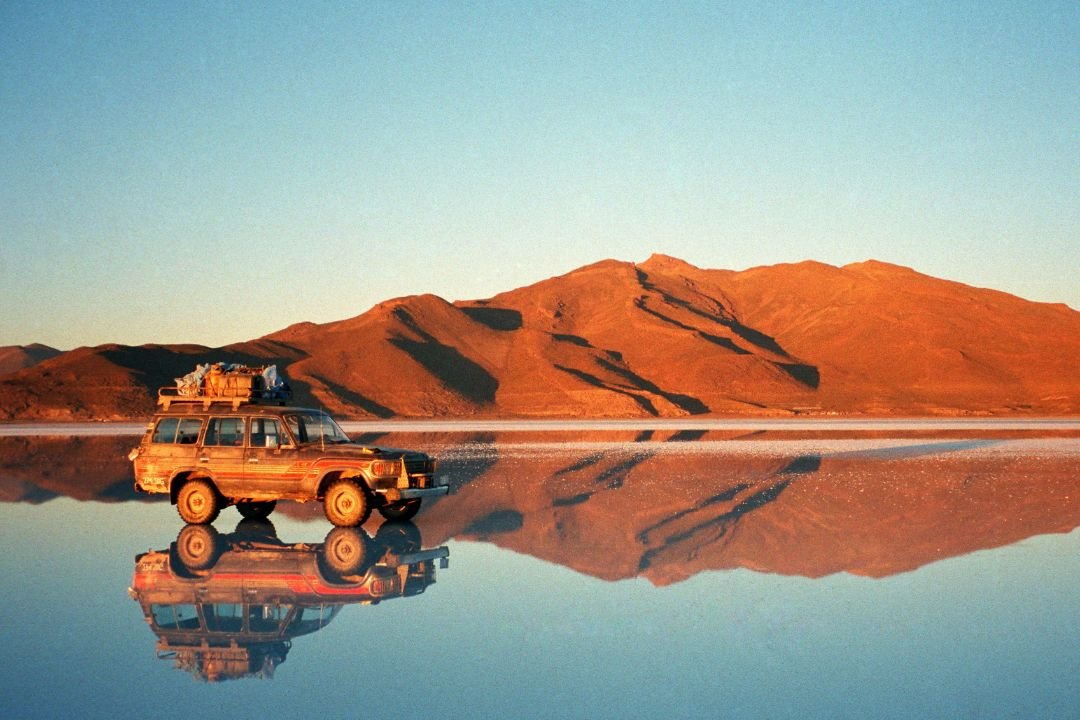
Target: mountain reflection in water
pixel 627 512
pixel 666 507
pixel 226 607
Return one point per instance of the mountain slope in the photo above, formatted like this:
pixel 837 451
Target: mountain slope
pixel 617 339
pixel 17 357
pixel 887 337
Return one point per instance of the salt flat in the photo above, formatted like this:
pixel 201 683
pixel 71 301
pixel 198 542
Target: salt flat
pixel 847 425
pixel 881 448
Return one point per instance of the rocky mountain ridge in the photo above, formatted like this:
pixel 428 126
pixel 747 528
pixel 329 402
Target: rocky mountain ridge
pixel 661 338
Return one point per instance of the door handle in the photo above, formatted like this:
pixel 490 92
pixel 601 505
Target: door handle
pixel 204 459
pixel 253 460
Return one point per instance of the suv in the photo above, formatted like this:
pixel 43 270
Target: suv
pixel 228 606
pixel 208 454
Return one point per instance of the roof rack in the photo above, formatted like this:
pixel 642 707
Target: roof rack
pixel 245 396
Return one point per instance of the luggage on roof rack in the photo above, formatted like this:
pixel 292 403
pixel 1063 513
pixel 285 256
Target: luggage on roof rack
pixel 234 384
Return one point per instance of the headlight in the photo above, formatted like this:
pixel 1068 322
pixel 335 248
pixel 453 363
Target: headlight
pixel 384 467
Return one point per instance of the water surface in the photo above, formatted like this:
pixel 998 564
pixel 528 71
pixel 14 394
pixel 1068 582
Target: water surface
pixel 582 573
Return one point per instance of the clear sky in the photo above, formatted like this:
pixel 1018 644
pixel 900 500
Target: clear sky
pixel 212 172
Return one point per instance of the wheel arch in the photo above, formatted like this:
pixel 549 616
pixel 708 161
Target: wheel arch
pixel 181 478
pixel 329 477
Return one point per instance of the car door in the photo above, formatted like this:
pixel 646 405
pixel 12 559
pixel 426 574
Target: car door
pixel 272 458
pixel 222 454
pixel 171 449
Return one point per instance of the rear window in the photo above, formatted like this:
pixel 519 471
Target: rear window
pixel 182 431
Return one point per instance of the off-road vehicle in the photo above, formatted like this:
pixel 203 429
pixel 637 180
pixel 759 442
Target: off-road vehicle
pixel 229 606
pixel 210 451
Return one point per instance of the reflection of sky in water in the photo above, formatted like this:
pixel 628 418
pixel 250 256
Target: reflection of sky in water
pixel 989 634
pixel 979 634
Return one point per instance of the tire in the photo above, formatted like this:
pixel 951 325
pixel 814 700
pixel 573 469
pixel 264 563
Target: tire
pixel 198 502
pixel 399 537
pixel 256 510
pixel 401 510
pixel 346 504
pixel 198 547
pixel 345 550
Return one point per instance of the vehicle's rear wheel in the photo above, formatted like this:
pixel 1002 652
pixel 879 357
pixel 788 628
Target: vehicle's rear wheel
pixel 197 546
pixel 345 550
pixel 198 502
pixel 256 510
pixel 401 510
pixel 346 504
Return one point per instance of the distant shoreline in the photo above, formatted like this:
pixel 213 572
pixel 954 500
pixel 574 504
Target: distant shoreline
pixel 912 424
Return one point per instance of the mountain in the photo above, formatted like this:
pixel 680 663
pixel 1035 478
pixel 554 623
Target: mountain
pixel 617 339
pixel 17 357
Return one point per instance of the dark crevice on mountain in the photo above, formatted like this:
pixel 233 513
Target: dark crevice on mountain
pixel 723 342
pixel 642 402
pixel 355 399
pixel 572 339
pixel 455 371
pixel 755 337
pixel 572 500
pixel 685 402
pixel 495 318
pixel 802 373
pixel 752 336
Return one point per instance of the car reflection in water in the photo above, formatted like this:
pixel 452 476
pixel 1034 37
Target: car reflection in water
pixel 228 606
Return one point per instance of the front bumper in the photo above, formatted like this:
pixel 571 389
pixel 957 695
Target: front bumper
pixel 410 493
pixel 395 494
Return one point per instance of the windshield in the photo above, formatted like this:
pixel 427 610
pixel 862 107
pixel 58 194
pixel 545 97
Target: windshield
pixel 315 428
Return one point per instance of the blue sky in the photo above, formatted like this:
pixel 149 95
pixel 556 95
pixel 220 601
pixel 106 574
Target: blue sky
pixel 187 172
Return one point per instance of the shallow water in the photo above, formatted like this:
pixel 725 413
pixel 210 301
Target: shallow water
pixel 928 572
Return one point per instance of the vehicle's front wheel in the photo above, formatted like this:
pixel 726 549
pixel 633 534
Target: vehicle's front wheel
pixel 345 550
pixel 346 504
pixel 401 510
pixel 399 537
pixel 198 502
pixel 256 510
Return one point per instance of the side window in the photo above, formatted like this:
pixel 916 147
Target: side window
pixel 225 432
pixel 266 433
pixel 165 432
pixel 312 618
pixel 299 432
pixel 224 617
pixel 267 618
pixel 188 432
pixel 175 617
